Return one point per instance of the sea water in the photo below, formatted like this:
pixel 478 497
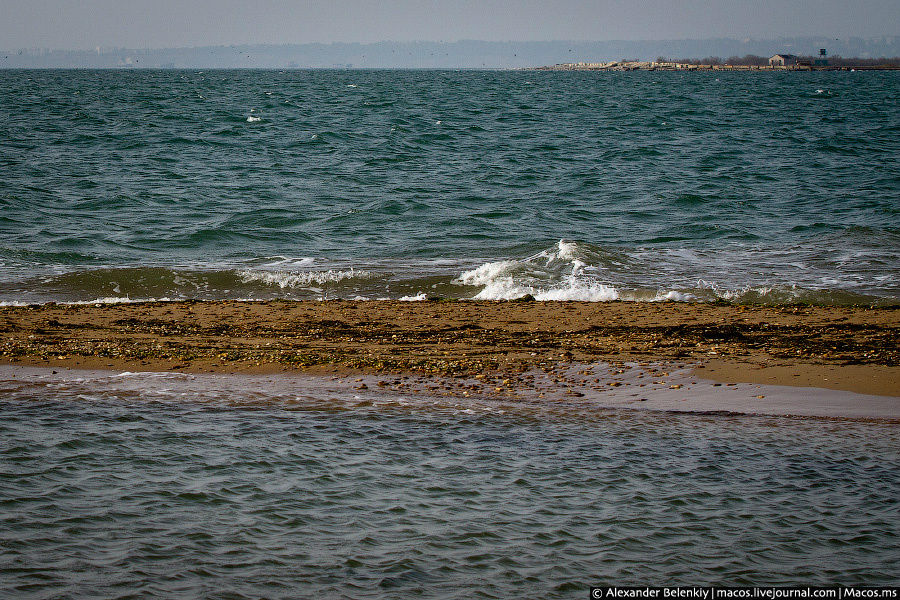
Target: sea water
pixel 176 486
pixel 752 187
pixel 127 185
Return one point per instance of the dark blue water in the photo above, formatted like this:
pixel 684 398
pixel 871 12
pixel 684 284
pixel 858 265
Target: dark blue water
pixel 764 187
pixel 165 487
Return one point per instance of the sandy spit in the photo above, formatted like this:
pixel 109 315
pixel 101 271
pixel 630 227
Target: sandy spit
pixel 843 348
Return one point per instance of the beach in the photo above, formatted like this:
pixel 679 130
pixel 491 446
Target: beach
pixel 843 348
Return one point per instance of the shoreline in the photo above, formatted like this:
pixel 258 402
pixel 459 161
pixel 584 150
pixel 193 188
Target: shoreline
pixel 852 349
pixel 673 66
pixel 584 393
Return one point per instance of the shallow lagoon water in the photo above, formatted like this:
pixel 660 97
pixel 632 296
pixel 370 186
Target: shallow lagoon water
pixel 166 485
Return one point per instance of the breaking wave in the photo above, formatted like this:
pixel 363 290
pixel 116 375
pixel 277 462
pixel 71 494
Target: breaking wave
pixel 566 271
pixel 303 279
pixel 578 271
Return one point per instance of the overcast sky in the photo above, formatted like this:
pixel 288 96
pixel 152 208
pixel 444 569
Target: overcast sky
pixel 84 24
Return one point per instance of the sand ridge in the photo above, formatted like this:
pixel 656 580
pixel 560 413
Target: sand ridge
pixel 847 348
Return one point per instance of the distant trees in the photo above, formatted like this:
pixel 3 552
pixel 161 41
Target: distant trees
pixel 747 59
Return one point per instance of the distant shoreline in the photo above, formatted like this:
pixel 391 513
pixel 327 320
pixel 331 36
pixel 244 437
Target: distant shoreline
pixel 673 66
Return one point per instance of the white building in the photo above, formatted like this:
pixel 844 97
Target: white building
pixel 782 60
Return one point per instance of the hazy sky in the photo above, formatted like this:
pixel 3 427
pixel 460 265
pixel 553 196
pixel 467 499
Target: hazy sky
pixel 71 24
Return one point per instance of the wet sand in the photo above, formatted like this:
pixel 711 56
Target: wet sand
pixel 583 393
pixel 493 343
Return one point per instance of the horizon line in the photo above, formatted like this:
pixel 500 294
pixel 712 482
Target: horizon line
pixel 746 39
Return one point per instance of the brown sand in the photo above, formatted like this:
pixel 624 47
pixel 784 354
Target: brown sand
pixel 844 348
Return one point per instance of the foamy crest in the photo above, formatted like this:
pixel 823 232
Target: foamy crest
pixel 118 300
pixel 766 294
pixel 106 300
pixel 285 279
pixel 507 289
pixel 417 298
pixel 566 250
pixel 487 273
pixel 285 262
pixel 562 272
pixel 587 293
pixel 252 119
pixel 674 296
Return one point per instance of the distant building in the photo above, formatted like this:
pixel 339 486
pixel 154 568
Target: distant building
pixel 783 60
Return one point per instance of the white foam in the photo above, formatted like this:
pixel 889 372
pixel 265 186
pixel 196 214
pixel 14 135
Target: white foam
pixel 287 279
pixel 117 300
pixel 152 375
pixel 566 250
pixel 597 292
pixel 506 288
pixel 561 272
pixel 252 119
pixel 487 273
pixel 417 298
pixel 674 296
pixel 735 295
pixel 285 261
pixel 107 300
pixel 578 267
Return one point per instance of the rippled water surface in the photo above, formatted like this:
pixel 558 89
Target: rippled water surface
pixel 162 486
pixel 766 187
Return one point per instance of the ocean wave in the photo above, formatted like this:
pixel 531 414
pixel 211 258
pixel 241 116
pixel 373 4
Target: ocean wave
pixel 579 271
pixel 567 271
pixel 277 262
pixel 417 298
pixel 143 284
pixel 119 300
pixel 508 290
pixel 302 279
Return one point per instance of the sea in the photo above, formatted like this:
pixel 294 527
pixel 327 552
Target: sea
pixel 126 185
pixel 135 185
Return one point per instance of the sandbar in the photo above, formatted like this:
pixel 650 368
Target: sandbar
pixel 841 348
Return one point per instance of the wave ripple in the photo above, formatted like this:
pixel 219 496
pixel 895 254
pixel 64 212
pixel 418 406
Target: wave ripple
pixel 164 487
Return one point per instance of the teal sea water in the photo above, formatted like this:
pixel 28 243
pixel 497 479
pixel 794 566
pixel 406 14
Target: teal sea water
pixel 756 187
pixel 121 185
